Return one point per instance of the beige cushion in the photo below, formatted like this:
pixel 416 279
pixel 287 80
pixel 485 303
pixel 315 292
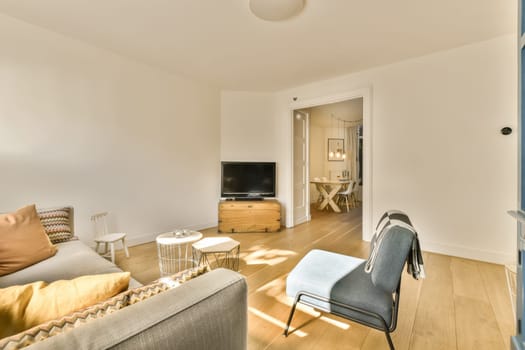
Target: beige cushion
pixel 23 307
pixel 57 223
pixel 23 240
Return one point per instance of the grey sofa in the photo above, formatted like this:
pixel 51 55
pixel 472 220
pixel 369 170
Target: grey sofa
pixel 207 312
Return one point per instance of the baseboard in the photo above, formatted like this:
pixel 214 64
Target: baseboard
pixel 145 238
pixel 150 237
pixel 301 220
pixel 468 252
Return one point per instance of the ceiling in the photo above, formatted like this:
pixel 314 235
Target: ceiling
pixel 223 43
pixel 331 115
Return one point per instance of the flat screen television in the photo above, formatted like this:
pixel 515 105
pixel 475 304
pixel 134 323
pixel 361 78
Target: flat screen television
pixel 247 180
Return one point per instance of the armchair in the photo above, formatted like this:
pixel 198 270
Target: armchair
pixel 363 291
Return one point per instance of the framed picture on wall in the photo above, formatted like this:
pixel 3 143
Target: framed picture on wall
pixel 336 149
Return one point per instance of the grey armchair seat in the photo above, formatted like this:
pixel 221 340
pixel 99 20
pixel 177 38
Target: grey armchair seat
pixel 341 284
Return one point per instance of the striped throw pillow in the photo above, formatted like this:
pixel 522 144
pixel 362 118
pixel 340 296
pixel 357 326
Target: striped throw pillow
pixel 57 224
pixel 162 284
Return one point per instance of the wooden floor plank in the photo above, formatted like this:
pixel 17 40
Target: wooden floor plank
pixel 467 279
pixel 496 287
pixel 476 325
pixel 435 322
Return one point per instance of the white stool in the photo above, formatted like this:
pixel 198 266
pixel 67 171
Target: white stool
pixel 102 236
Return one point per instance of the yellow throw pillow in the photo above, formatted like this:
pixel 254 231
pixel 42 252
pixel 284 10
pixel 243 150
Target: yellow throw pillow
pixel 23 240
pixel 64 324
pixel 23 307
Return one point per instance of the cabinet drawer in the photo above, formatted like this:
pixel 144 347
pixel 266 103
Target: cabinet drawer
pixel 232 226
pixel 259 215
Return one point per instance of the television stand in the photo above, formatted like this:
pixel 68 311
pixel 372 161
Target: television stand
pixel 249 216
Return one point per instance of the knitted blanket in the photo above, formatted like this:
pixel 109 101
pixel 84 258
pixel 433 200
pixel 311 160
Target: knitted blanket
pixel 397 218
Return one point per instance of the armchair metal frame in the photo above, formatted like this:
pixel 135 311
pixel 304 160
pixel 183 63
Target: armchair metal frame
pixel 386 329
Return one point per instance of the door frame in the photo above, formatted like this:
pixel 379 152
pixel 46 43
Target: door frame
pixel 366 94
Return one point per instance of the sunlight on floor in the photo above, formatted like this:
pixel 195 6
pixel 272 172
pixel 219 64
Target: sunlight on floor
pixel 276 289
pixel 273 288
pixel 260 256
pixel 276 322
pixel 283 299
pixel 339 324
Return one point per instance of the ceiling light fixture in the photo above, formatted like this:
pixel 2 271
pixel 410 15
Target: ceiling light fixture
pixel 276 10
pixel 340 131
pixel 344 133
pixel 331 152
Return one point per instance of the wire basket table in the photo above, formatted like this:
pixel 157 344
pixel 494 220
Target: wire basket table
pixel 175 251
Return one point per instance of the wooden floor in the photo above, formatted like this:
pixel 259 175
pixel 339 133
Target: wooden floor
pixel 462 304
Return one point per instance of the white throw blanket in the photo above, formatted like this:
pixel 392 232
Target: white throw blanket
pixel 397 218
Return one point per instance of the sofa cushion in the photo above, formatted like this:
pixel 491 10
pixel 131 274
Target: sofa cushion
pixel 23 307
pixel 318 271
pixel 73 259
pixel 23 241
pixel 57 223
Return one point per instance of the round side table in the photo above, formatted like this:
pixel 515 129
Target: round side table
pixel 175 251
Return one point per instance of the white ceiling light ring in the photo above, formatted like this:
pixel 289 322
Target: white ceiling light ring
pixel 276 10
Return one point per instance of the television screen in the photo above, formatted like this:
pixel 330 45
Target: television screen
pixel 248 179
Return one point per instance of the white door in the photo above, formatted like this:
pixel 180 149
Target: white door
pixel 301 204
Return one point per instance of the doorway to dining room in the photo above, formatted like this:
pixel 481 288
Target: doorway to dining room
pixel 328 159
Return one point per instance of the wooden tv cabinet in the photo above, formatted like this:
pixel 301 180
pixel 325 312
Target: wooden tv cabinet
pixel 249 216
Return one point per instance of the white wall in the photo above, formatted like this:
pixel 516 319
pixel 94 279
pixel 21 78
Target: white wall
pixel 247 126
pixel 437 149
pixel 249 131
pixel 85 127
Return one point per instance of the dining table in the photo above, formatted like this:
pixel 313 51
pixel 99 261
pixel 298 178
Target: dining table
pixel 328 190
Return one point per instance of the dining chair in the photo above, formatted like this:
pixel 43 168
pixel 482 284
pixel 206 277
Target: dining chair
pixel 354 197
pixel 103 236
pixel 346 194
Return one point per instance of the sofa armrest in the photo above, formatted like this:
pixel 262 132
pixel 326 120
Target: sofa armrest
pixel 208 312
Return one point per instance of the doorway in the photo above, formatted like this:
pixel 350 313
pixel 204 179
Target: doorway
pixel 310 153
